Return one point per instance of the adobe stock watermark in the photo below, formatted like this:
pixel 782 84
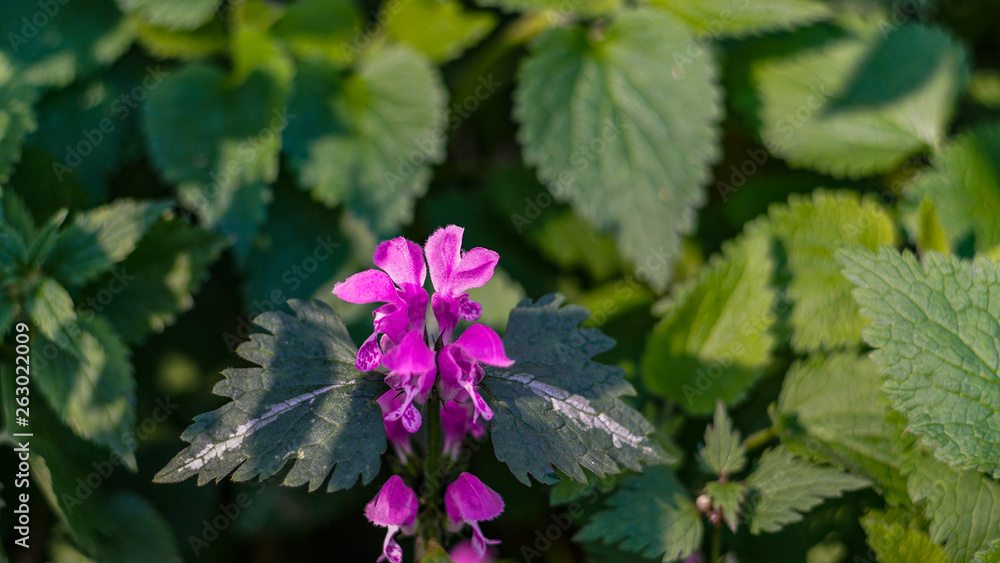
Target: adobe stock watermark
pixel 121 108
pixel 228 513
pixel 32 25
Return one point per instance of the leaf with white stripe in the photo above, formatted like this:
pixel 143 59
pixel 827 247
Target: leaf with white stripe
pixel 305 402
pixel 557 409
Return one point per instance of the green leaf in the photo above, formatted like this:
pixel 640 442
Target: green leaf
pixel 94 394
pixel 366 140
pixel 147 291
pixel 330 30
pixel 715 339
pixel 620 133
pixel 305 402
pixel 989 555
pixel 963 506
pixel 723 452
pixel 858 101
pixel 557 409
pixel 219 142
pixel 8 313
pixel 51 310
pixel 725 17
pixel 171 14
pixel 930 234
pixel 45 239
pixel 895 540
pixel 557 7
pixel 935 327
pixel 964 186
pixel 808 231
pixel 100 238
pixel 783 487
pixel 441 29
pixel 17 116
pixel 727 497
pixel 206 41
pixel 831 408
pixel 650 514
pixel 61 50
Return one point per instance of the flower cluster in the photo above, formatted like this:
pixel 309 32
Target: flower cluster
pixel 419 360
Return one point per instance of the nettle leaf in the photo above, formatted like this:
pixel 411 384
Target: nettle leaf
pixel 61 50
pixel 651 514
pixel 171 14
pixel 989 555
pixel 715 339
pixel 101 237
pixel 722 453
pixel 558 7
pixel 623 130
pixel 367 139
pixel 963 506
pixel 725 17
pixel 964 186
pixel 147 291
pixel 51 309
pixel 439 29
pixel 205 41
pixel 305 402
pixel 808 230
pixel 935 327
pixel 897 539
pixel 557 409
pixel 17 115
pixel 219 142
pixel 831 408
pixel 858 101
pixel 783 487
pixel 326 29
pixel 95 394
pixel 727 497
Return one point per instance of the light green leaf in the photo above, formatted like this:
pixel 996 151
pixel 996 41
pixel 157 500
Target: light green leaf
pixel 650 514
pixel 783 487
pixel 305 402
pixel 622 130
pixel 557 8
pixel 808 231
pixel 157 282
pixel 831 408
pixel 727 498
pixel 367 140
pixel 101 237
pixel 963 506
pixel 17 116
pixel 935 327
pixel 555 408
pixel 569 241
pixel 171 14
pixel 930 234
pixel 219 143
pixel 989 555
pixel 715 339
pixel 729 18
pixel 964 186
pixel 206 41
pixel 441 29
pixel 331 30
pixel 897 540
pixel 95 394
pixel 51 310
pixel 857 101
pixel 722 453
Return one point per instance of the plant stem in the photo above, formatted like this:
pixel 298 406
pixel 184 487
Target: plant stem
pixel 716 544
pixel 759 439
pixel 432 412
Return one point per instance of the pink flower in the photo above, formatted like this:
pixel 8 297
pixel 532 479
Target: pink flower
pixel 412 370
pixel 459 370
pixel 465 553
pixel 394 431
pixel 399 285
pixel 395 508
pixel 453 273
pixel 457 421
pixel 469 501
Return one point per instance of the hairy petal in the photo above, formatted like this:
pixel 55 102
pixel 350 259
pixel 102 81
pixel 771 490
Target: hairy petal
pixel 480 342
pixel 369 286
pixel 403 260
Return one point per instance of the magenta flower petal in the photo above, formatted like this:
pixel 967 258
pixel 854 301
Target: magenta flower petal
pixel 394 507
pixel 480 342
pixel 452 272
pixel 474 270
pixel 464 552
pixel 412 370
pixel 469 501
pixel 403 260
pixel 457 422
pixel 369 286
pixel 369 355
pixel 410 356
pixel 394 431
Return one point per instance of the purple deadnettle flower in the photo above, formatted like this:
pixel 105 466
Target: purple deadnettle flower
pixel 394 431
pixel 457 422
pixel 469 501
pixel 458 365
pixel 465 553
pixel 399 284
pixel 412 370
pixel 453 273
pixel 395 508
